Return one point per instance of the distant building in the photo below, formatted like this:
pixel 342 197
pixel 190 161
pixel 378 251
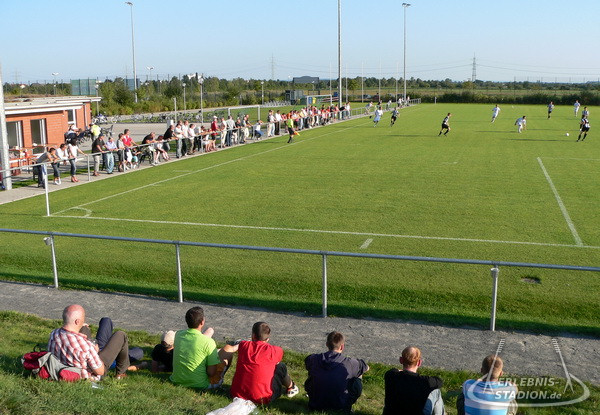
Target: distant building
pixel 34 123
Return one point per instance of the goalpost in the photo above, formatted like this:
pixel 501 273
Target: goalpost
pixel 244 107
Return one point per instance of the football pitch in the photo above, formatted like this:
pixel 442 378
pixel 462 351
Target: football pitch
pixel 481 192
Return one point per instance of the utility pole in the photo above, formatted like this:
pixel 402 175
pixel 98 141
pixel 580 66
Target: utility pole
pixel 474 74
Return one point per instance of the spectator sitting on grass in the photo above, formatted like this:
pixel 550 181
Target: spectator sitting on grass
pixel 162 355
pixel 195 355
pixel 488 395
pixel 334 381
pixel 407 392
pixel 71 344
pixel 260 376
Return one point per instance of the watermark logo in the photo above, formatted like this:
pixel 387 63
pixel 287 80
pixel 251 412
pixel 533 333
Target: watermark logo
pixel 526 392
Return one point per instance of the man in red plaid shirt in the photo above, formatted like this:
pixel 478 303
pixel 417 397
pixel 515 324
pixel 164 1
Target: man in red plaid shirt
pixel 72 345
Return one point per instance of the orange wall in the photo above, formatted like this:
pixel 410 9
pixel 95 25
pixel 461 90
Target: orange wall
pixel 56 124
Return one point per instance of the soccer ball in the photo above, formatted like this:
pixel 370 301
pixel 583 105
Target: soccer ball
pixel 567 134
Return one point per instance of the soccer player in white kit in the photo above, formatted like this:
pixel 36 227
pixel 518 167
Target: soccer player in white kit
pixel 522 123
pixel 378 114
pixel 576 106
pixel 495 112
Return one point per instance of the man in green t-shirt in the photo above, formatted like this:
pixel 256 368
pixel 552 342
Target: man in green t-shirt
pixel 195 356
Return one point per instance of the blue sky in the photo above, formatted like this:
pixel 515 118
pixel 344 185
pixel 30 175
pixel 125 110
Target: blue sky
pixel 528 39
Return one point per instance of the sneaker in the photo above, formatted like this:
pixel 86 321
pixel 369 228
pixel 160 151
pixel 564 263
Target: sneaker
pixel 292 390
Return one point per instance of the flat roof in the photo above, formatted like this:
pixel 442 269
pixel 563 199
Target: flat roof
pixel 28 105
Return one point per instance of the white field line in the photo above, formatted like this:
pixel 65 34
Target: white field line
pixel 571 158
pixel 385 235
pixel 561 205
pixel 201 170
pixel 366 244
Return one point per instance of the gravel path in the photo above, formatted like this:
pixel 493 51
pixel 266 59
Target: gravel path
pixel 373 340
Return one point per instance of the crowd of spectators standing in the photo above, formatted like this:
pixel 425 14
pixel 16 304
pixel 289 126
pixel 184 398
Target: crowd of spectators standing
pixel 183 138
pixel 334 381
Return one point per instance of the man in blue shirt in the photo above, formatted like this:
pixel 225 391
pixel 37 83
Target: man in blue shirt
pixel 488 395
pixel 334 381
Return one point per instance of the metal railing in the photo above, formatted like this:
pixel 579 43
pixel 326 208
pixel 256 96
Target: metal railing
pixel 50 240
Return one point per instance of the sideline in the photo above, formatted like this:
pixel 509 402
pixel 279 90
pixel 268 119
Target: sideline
pixel 273 228
pixel 201 170
pixel 562 206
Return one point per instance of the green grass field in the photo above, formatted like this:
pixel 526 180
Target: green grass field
pixel 478 193
pixel 146 393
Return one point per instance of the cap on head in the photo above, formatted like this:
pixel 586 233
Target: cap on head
pixel 168 338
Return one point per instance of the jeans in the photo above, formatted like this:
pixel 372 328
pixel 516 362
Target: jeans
pixel 56 170
pixel 434 404
pixel 41 173
pixel 179 148
pixel 228 138
pixel 73 169
pixel 110 162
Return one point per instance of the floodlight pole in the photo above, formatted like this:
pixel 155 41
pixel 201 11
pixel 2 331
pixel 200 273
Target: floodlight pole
pixel 4 155
pixel 405 6
pixel 130 4
pixel 54 74
pixel 201 80
pixel 340 52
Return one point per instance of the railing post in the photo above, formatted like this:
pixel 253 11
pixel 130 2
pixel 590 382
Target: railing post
pixel 87 158
pixel 324 285
pixel 49 240
pixel 46 191
pixel 179 283
pixel 494 273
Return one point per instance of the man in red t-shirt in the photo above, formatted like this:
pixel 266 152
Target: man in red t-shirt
pixel 260 376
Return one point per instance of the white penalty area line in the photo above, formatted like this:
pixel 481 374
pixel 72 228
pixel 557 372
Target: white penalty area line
pixel 561 205
pixel 366 244
pixel 272 228
pixel 202 169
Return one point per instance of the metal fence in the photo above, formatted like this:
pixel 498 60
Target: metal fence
pixel 49 239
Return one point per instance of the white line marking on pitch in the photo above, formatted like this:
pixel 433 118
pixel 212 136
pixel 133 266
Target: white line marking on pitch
pixel 268 228
pixel 366 244
pixel 202 169
pixel 570 158
pixel 561 205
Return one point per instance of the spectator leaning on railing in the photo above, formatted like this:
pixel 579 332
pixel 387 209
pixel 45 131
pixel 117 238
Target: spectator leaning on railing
pixel 98 146
pixel 111 148
pixel 46 157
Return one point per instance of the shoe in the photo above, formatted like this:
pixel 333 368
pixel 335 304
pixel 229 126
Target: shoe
pixel 292 390
pixel 121 376
pixel 59 181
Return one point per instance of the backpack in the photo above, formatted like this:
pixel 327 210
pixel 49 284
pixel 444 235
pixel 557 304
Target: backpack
pixel 45 365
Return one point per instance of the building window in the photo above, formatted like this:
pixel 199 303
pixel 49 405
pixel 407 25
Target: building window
pixel 72 117
pixel 14 130
pixel 38 135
